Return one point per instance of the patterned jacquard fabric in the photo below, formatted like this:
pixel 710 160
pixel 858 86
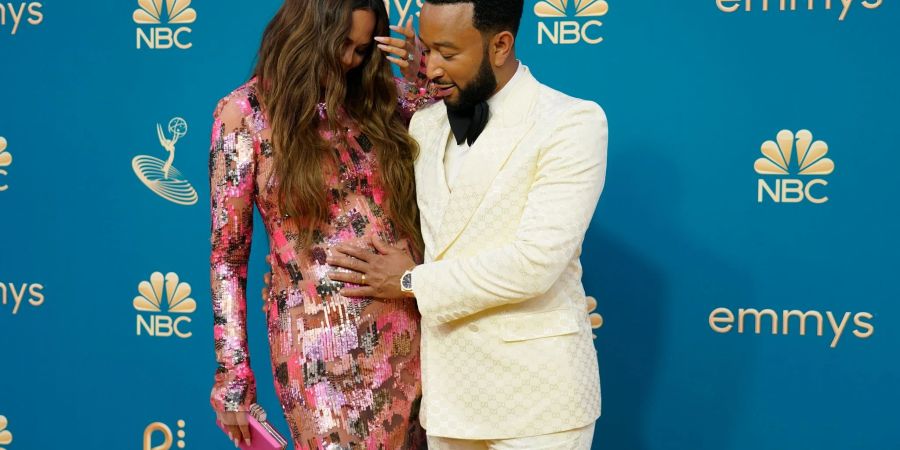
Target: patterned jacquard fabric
pixel 507 349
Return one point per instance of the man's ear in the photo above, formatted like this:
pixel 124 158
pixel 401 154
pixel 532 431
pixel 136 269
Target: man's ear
pixel 501 49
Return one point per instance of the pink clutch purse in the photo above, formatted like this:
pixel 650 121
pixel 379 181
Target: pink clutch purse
pixel 263 436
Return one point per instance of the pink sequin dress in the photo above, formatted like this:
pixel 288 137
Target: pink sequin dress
pixel 346 369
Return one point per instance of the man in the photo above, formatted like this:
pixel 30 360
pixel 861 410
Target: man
pixel 508 177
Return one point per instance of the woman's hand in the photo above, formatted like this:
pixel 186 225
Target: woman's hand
pixel 236 425
pixel 404 51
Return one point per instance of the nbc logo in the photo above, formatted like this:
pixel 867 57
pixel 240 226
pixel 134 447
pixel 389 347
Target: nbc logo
pixel 403 8
pixel 5 161
pixel 176 296
pixel 5 435
pixel 569 31
pixel 16 13
pixel 778 159
pixel 160 176
pixel 163 430
pixel 151 15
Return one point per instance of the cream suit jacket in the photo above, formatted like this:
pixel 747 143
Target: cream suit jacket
pixel 507 350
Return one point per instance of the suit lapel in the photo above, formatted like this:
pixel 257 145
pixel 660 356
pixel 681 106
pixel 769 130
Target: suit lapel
pixel 506 129
pixel 431 181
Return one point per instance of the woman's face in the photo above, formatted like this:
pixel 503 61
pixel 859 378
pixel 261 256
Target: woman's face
pixel 358 40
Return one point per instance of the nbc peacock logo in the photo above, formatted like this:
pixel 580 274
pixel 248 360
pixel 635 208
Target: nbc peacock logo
pixel 5 161
pixel 154 18
pixel 6 436
pixel 161 176
pixel 793 154
pixel 166 302
pixel 559 31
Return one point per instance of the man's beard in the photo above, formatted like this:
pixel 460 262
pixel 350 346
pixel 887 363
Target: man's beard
pixel 479 89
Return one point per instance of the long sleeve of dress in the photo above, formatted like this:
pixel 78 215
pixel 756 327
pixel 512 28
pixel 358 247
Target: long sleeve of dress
pixel 415 94
pixel 232 169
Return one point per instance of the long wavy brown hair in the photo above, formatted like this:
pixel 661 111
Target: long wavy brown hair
pixel 299 65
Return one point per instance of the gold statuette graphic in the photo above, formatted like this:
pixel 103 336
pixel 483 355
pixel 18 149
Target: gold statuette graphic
pixel 161 176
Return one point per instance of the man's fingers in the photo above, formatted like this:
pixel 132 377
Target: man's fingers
pixel 348 263
pixel 355 252
pixel 382 246
pixel 366 291
pixel 346 277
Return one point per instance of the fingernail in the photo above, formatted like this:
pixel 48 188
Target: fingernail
pixel 380 38
pixel 247 441
pixel 236 443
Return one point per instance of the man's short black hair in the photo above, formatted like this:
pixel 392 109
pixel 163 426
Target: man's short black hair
pixel 492 16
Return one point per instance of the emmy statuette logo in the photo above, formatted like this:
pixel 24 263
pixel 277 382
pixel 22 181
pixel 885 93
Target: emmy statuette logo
pixel 161 176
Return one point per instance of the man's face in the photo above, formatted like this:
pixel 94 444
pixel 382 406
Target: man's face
pixel 457 59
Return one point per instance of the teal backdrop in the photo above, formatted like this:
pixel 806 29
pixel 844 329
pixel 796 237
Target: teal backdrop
pixel 693 254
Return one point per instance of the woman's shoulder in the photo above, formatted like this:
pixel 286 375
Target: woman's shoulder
pixel 238 105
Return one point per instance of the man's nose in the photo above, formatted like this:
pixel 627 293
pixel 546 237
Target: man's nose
pixel 433 71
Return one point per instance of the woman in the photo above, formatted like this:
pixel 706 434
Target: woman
pixel 316 141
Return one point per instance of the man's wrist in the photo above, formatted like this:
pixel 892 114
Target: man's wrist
pixel 406 282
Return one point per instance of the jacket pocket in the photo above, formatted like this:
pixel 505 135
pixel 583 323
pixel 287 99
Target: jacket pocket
pixel 538 325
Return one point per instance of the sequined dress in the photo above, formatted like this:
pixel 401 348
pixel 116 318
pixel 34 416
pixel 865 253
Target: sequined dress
pixel 346 369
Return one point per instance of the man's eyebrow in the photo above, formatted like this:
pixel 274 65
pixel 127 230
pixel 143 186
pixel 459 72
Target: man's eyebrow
pixel 445 44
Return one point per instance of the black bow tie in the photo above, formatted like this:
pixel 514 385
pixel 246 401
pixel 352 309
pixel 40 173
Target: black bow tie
pixel 468 124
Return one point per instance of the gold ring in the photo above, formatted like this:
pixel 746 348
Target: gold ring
pixel 363 279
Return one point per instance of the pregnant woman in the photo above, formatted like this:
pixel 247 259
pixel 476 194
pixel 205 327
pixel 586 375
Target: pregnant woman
pixel 317 142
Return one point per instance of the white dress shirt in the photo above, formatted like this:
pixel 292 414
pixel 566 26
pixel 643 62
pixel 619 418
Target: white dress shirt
pixel 455 154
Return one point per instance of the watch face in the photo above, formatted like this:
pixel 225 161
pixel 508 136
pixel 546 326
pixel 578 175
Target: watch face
pixel 406 281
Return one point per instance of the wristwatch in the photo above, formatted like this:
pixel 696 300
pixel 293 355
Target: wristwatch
pixel 406 281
